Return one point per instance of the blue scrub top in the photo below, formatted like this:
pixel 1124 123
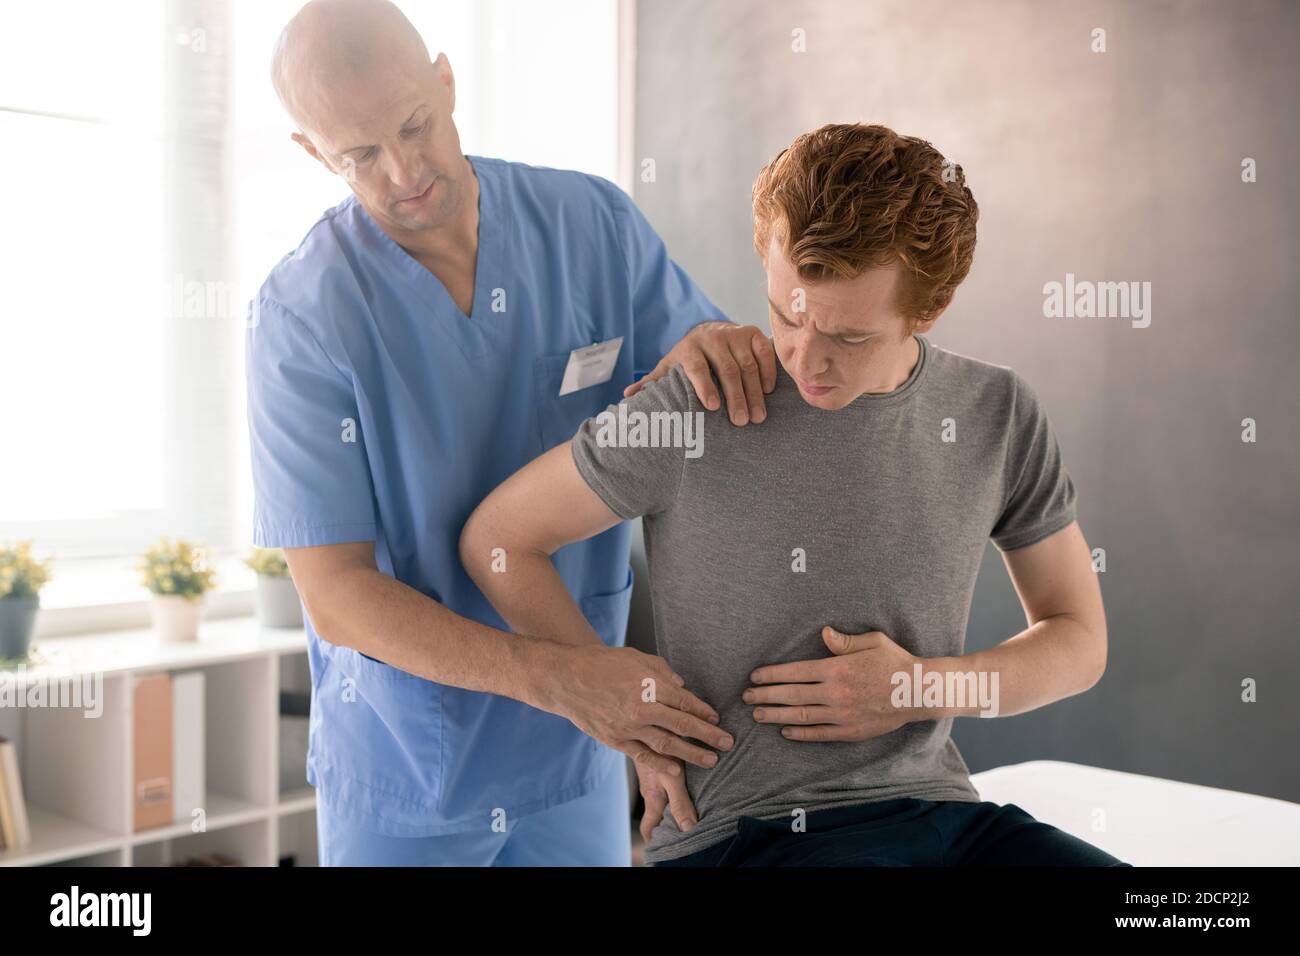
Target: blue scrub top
pixel 379 411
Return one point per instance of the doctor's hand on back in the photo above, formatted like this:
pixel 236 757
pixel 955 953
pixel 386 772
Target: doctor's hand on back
pixel 633 702
pixel 555 661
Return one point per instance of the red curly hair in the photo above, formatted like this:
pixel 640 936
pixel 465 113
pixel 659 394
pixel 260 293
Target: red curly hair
pixel 849 197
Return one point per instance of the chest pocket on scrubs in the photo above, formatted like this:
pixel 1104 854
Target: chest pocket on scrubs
pixel 559 416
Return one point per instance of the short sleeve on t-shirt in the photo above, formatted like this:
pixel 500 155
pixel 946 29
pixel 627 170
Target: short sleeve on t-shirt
pixel 1040 497
pixel 633 454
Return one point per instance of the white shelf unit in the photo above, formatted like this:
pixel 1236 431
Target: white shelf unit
pixel 77 769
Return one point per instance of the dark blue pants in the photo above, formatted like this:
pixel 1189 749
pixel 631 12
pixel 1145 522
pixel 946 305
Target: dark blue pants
pixel 903 832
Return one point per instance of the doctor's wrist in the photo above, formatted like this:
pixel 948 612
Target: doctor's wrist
pixel 542 666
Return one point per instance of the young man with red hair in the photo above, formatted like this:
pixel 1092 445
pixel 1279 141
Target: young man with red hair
pixel 812 577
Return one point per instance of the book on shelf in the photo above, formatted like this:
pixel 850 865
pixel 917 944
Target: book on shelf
pixel 15 830
pixel 152 784
pixel 187 744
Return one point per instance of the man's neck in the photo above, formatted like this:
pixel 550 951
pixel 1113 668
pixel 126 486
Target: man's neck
pixel 912 349
pixel 452 244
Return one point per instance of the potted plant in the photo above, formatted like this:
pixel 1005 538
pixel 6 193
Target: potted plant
pixel 21 579
pixel 178 575
pixel 277 598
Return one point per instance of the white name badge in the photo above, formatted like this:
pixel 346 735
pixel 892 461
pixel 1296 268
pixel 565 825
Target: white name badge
pixel 590 365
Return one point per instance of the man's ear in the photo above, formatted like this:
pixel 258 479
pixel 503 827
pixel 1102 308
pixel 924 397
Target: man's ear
pixel 923 327
pixel 302 140
pixel 442 69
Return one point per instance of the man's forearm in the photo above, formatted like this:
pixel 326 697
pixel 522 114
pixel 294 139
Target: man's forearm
pixel 383 618
pixel 1056 658
pixel 525 589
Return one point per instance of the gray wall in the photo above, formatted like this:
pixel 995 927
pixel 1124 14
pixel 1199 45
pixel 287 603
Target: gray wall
pixel 1123 165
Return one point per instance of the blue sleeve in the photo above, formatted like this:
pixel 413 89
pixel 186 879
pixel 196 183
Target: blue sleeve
pixel 311 477
pixel 666 304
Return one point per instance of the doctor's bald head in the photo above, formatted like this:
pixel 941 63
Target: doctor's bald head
pixel 356 78
pixel 331 46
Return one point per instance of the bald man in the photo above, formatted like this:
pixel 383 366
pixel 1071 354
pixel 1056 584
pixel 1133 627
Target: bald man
pixel 451 320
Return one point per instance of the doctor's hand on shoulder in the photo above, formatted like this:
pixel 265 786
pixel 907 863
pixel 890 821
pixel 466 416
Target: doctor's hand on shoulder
pixel 741 357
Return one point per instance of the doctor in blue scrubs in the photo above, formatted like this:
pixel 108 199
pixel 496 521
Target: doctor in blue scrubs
pixel 447 323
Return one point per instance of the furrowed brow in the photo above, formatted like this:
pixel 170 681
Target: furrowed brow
pixel 832 335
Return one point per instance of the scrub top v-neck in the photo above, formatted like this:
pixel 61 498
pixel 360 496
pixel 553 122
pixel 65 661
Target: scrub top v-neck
pixel 467 330
pixel 378 411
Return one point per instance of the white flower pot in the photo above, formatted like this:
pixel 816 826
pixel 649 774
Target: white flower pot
pixel 277 601
pixel 176 619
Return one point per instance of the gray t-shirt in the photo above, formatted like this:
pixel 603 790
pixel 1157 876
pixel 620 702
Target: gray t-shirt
pixel 872 517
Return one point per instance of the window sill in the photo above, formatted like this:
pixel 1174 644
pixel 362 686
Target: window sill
pixel 87 597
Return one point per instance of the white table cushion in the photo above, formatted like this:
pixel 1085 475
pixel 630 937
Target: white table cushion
pixel 1148 821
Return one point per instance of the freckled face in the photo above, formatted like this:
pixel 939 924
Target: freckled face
pixel 837 338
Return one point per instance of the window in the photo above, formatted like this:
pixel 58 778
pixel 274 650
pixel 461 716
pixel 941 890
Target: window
pixel 81 350
pixel 150 186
